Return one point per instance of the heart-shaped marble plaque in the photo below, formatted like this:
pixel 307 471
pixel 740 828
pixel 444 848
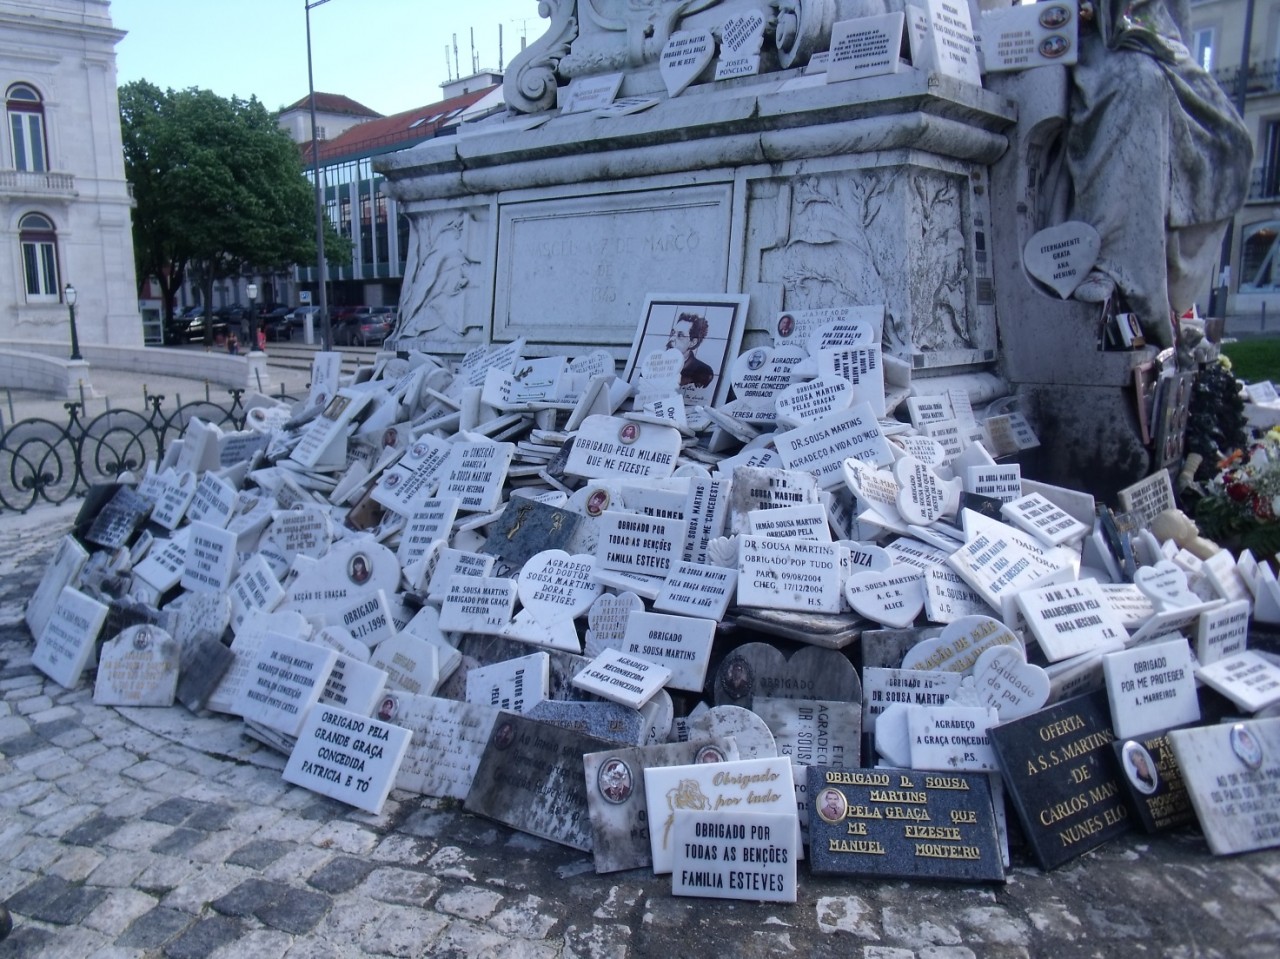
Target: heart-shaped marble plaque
pixel 685 56
pixel 555 586
pixel 893 737
pixel 752 734
pixel 1062 256
pixel 1005 680
pixel 957 649
pixel 922 495
pixel 760 669
pixel 892 598
pixel 352 569
pixel 928 451
pixel 661 369
pixel 1165 584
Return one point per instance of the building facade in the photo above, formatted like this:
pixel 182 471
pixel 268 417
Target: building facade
pixel 1216 38
pixel 355 198
pixel 64 202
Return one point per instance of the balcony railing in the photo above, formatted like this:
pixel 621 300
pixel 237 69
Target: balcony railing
pixel 23 183
pixel 1261 78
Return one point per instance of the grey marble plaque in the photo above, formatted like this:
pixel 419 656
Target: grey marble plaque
pixel 137 668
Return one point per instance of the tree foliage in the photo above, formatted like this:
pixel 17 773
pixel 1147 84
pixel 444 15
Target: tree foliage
pixel 219 188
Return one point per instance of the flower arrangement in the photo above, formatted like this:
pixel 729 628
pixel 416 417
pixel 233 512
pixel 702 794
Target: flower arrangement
pixel 1241 505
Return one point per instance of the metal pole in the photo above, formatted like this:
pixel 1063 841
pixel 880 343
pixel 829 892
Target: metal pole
pixel 75 338
pixel 326 334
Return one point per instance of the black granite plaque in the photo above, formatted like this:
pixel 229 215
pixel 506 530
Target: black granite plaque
pixel 527 527
pixel 118 520
pixel 1154 783
pixel 1061 774
pixel 199 672
pixel 904 824
pixel 988 506
pixel 123 613
pixel 530 778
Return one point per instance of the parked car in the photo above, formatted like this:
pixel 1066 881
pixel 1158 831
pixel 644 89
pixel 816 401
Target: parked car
pixel 189 326
pixel 296 321
pixel 273 320
pixel 367 326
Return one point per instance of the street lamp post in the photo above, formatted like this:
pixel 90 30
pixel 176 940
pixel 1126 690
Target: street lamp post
pixel 251 291
pixel 321 266
pixel 69 294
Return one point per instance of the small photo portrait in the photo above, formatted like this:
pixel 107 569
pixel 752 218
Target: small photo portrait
pixel 786 325
pixel 597 502
pixel 359 570
pixel 1054 46
pixel 710 754
pixel 832 806
pixel 392 480
pixel 387 709
pixel 1055 16
pixel 1246 746
pixel 389 436
pixel 615 781
pixel 628 434
pixel 142 639
pixel 755 359
pixel 418 450
pixel 504 735
pixel 737 679
pixel 336 407
pixel 1140 768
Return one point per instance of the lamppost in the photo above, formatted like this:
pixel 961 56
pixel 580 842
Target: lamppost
pixel 69 294
pixel 251 291
pixel 326 334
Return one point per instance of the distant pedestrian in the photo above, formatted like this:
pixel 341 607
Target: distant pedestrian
pixel 233 344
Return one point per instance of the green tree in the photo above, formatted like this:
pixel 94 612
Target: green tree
pixel 219 189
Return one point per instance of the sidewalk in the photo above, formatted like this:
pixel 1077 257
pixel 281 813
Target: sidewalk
pixel 153 832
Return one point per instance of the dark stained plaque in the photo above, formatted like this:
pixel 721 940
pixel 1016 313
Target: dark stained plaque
pixel 1154 783
pixel 1060 771
pixel 903 824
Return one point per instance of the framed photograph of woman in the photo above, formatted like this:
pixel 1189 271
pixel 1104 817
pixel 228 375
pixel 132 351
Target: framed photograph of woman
pixel 705 330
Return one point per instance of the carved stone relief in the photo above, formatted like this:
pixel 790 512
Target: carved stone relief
pixel 443 285
pixel 893 235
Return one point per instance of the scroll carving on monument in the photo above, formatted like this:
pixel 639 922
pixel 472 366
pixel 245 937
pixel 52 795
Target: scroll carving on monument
pixel 530 85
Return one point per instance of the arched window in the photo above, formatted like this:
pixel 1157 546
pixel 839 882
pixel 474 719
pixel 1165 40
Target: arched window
pixel 39 257
pixel 26 128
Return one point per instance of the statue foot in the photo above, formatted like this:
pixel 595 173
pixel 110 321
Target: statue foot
pixel 1096 288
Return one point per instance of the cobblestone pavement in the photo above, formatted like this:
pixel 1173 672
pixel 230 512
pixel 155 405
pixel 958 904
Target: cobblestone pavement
pixel 152 832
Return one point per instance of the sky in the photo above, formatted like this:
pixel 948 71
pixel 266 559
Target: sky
pixel 386 54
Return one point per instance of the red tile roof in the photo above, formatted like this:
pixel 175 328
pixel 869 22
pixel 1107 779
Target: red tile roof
pixel 394 132
pixel 333 103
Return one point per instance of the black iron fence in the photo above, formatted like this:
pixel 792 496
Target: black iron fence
pixel 46 462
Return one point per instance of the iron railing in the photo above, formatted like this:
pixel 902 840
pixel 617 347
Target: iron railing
pixel 46 462
pixel 1260 78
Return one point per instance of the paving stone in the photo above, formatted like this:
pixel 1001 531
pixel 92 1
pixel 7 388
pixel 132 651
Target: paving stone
pixel 404 932
pixel 118 910
pixel 340 874
pixel 205 936
pixel 322 810
pixel 36 855
pixel 56 801
pixel 54 899
pixel 215 847
pixel 22 745
pixel 210 817
pixel 180 841
pixel 57 768
pixel 135 834
pixel 173 811
pixel 469 939
pixel 33 760
pixel 259 853
pixel 93 830
pixel 153 929
pixel 161 874
pixel 146 771
pixel 121 869
pixel 469 903
pixel 596 942
pixel 345 837
pixel 299 861
pixel 76 863
pixel 11 727
pixel 34 704
pixel 249 896
pixel 400 886
pixel 114 759
pixel 268 944
pixel 22 789
pixel 296 912
pixel 77 735
pixel 526 919
pixel 398 848
pixel 24 942
pixel 53 723
pixel 205 885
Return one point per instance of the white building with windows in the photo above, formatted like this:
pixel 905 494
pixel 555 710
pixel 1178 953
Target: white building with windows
pixel 64 203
